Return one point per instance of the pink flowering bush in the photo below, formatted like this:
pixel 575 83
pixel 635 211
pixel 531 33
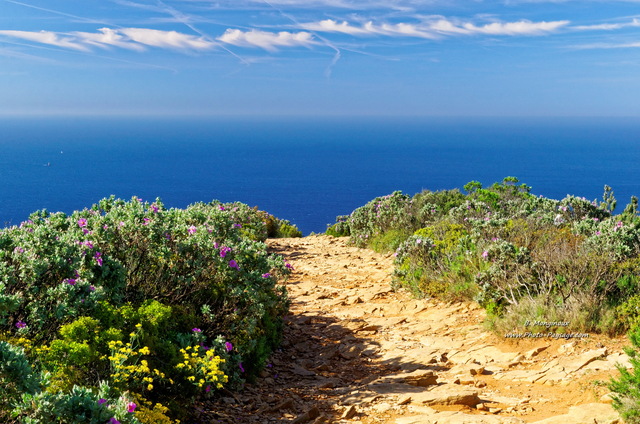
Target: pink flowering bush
pixel 141 279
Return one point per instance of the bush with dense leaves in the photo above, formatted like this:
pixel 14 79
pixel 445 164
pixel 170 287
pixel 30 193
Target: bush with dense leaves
pixel 522 257
pixel 125 310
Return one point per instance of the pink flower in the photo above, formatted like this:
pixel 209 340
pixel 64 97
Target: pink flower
pixel 113 421
pixel 266 275
pixel 485 254
pixel 228 346
pixel 131 407
pixel 192 229
pixel 21 324
pixel 234 264
pixel 82 222
pixel 70 281
pixel 240 366
pixel 224 250
pixel 101 401
pixel 98 258
pixel 196 330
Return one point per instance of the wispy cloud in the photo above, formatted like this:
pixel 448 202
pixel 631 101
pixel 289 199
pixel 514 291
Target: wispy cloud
pixel 608 27
pixel 516 28
pixel 107 37
pixel 435 27
pixel 166 39
pixel 128 38
pixel 269 41
pixel 368 28
pixel 634 44
pixel 49 38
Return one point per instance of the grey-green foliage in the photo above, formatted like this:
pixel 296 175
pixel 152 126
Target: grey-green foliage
pixel 379 215
pixel 79 406
pixel 16 375
pixel 608 200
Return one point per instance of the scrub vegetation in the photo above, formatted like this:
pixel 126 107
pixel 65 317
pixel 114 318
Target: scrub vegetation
pixel 128 311
pixel 524 258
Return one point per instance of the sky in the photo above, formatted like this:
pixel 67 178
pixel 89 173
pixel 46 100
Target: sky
pixel 320 57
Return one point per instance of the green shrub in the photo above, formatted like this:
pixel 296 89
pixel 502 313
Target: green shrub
pixel 505 247
pixel 116 293
pixel 388 241
pixel 340 228
pixel 276 228
pixel 379 216
pixel 626 387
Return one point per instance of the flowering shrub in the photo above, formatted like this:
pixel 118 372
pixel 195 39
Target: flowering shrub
pixel 533 257
pixel 114 295
pixel 380 215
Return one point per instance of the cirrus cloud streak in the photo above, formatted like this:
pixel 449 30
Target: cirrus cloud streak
pixel 436 28
pixel 269 41
pixel 128 38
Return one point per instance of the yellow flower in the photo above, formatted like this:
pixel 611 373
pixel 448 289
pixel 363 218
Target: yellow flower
pixel 150 387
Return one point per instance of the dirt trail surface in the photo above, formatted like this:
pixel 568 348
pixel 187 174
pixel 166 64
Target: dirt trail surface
pixel 355 351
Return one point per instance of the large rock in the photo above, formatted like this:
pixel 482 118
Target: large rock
pixel 450 417
pixel 421 378
pixel 447 395
pixel 574 364
pixel 586 414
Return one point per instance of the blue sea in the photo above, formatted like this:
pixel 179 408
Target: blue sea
pixel 307 170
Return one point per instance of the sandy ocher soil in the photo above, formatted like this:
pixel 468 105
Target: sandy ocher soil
pixel 355 351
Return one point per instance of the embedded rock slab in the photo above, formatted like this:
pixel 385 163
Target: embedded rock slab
pixel 449 417
pixel 448 395
pixel 586 414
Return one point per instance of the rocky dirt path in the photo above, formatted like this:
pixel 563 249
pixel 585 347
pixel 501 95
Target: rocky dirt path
pixel 354 351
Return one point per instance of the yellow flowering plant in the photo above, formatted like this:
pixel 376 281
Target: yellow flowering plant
pixel 129 368
pixel 202 367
